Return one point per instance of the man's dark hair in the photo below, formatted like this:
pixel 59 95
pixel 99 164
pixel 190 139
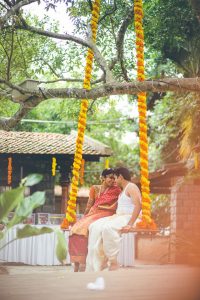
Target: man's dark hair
pixel 124 172
pixel 107 172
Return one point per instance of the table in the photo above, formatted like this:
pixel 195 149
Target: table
pixel 36 250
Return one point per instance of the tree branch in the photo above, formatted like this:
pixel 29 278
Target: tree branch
pixel 10 56
pixel 89 44
pixel 15 87
pixel 9 4
pixel 120 42
pixel 102 63
pixel 90 4
pixel 108 13
pixel 65 37
pixel 70 80
pixel 132 88
pixel 4 6
pixel 13 10
pixel 108 89
pixel 8 124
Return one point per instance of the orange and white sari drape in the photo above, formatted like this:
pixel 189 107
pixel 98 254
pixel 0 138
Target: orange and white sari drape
pixel 78 239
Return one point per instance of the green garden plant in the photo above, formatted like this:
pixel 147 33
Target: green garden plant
pixel 14 200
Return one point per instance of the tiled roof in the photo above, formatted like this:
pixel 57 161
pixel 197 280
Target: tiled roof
pixel 161 181
pixel 48 143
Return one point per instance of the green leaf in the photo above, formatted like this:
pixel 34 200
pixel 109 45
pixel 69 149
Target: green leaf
pixel 32 179
pixel 15 220
pixel 9 200
pixel 5 220
pixel 29 230
pixel 30 203
pixel 1 235
pixel 61 247
pixel 26 207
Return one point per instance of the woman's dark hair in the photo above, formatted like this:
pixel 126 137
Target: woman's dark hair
pixel 124 172
pixel 107 172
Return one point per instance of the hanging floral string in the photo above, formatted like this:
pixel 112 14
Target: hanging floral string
pixel 53 166
pixel 146 222
pixel 196 160
pixel 9 170
pixel 107 163
pixel 82 172
pixel 71 207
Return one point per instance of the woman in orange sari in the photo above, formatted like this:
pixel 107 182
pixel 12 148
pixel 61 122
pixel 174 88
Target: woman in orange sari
pixel 102 203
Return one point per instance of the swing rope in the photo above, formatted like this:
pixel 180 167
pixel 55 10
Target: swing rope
pixel 147 221
pixel 71 205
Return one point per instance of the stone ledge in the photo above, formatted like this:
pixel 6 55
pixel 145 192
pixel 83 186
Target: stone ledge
pixel 154 249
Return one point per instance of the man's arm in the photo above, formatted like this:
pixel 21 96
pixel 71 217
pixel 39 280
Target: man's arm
pixel 134 193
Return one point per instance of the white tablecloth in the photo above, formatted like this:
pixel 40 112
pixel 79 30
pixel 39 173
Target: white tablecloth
pixel 126 257
pixel 36 250
pixel 40 250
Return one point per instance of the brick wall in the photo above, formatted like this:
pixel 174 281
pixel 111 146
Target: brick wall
pixel 185 221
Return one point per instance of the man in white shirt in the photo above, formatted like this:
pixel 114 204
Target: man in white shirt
pixel 105 234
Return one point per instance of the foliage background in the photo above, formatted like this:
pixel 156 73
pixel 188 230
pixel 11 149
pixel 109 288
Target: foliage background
pixel 172 31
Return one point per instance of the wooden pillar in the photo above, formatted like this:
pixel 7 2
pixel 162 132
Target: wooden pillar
pixel 65 183
pixel 65 195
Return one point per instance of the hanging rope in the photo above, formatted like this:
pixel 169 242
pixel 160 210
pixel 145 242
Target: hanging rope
pixel 71 207
pixel 146 222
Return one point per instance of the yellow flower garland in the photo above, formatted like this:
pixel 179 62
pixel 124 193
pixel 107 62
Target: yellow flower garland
pixel 146 222
pixel 82 172
pixel 54 164
pixel 107 163
pixel 9 170
pixel 71 207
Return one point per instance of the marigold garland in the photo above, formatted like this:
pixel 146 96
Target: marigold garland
pixel 71 207
pixel 9 170
pixel 82 172
pixel 146 222
pixel 196 160
pixel 107 163
pixel 53 166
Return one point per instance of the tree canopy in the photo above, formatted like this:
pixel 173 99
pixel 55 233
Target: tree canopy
pixel 37 49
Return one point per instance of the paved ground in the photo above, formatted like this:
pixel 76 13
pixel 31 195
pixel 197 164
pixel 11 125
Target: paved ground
pixel 143 282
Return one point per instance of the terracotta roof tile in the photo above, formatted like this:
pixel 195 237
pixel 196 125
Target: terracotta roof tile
pixel 48 143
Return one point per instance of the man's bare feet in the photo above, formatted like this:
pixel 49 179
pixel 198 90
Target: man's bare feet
pixel 113 266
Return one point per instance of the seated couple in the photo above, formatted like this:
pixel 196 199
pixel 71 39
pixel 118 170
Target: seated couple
pixel 104 226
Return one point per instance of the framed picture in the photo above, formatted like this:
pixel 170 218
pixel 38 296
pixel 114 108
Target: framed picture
pixel 42 218
pixel 56 219
pixel 30 219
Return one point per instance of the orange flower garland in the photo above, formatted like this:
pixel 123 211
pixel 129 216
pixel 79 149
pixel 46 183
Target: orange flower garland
pixel 9 170
pixel 82 172
pixel 146 222
pixel 54 164
pixel 71 207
